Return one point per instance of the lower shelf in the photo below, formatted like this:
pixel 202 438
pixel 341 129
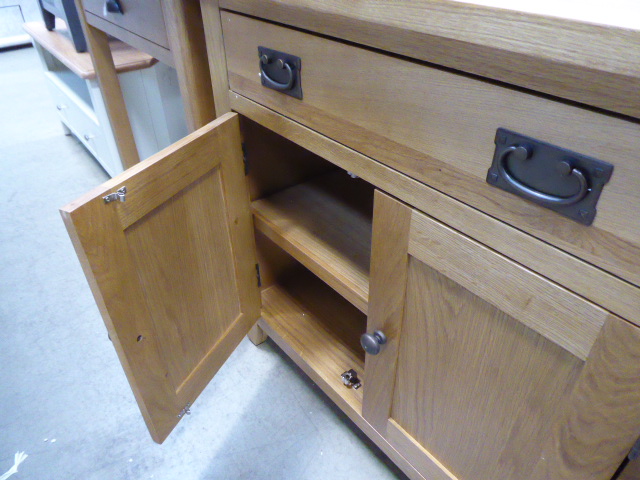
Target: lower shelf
pixel 319 330
pixel 312 323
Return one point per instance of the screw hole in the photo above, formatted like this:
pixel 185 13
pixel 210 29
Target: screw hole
pixel 140 338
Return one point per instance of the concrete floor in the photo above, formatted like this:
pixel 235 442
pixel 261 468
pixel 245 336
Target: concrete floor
pixel 64 399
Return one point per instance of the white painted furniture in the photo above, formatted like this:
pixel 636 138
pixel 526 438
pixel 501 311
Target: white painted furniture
pixel 149 87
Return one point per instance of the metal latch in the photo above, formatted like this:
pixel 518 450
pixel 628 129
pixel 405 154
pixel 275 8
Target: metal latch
pixel 350 379
pixel 119 196
pixel 185 411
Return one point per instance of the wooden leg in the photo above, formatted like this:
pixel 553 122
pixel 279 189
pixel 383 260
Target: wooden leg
pixel 257 335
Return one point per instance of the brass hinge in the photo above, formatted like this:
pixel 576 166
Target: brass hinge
pixel 185 411
pixel 258 275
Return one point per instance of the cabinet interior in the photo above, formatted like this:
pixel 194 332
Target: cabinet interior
pixel 313 226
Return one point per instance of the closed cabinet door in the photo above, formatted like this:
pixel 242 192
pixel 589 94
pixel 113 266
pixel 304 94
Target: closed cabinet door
pixel 168 250
pixel 490 371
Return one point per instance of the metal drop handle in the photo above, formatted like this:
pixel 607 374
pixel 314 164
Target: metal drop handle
pixel 522 152
pixel 372 342
pixel 271 83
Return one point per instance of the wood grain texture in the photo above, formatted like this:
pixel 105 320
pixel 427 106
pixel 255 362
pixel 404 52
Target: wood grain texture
pixel 555 313
pixel 274 163
pixel 177 287
pixel 157 51
pixel 476 388
pixel 185 33
pixel 98 45
pixel 312 334
pixel 601 421
pixel 443 132
pixel 593 57
pixel 588 281
pixel 416 453
pixel 327 334
pixel 326 225
pixel 216 54
pixel 58 43
pixel 390 243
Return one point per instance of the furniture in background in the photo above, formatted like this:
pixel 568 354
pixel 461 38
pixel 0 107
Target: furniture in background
pixel 13 13
pixel 169 30
pixel 150 91
pixel 65 10
pixel 347 191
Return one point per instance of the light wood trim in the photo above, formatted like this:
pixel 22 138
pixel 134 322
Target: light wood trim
pixel 432 134
pixel 416 454
pixel 318 361
pixel 322 224
pixel 188 49
pixel 216 54
pixel 549 309
pixel 98 45
pixel 587 62
pixel 391 226
pixel 586 280
pixel 257 335
pixel 136 41
pixel 601 422
pixel 58 44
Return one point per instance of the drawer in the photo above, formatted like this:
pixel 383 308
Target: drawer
pixel 439 126
pixel 81 120
pixel 140 17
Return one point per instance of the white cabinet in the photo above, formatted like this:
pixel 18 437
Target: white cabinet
pixel 150 90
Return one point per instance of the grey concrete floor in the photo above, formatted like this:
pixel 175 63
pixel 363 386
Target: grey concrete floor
pixel 64 399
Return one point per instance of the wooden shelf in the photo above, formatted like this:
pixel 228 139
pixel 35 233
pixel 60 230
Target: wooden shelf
pixel 325 224
pixel 58 43
pixel 318 329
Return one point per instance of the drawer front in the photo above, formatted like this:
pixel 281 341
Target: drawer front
pixel 439 128
pixel 82 122
pixel 141 17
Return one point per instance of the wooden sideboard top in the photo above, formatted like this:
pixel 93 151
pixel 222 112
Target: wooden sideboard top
pixel 56 42
pixel 583 51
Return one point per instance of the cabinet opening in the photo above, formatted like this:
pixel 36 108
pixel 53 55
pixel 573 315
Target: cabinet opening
pixel 305 316
pixel 316 212
pixel 68 81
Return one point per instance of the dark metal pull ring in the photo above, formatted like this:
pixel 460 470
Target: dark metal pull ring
pixel 532 194
pixel 271 83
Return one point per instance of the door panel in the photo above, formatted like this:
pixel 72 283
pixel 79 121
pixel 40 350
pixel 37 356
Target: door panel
pixel 172 267
pixel 491 371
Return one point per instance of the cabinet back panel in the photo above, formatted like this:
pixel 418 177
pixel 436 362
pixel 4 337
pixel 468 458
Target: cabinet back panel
pixel 274 162
pixel 489 388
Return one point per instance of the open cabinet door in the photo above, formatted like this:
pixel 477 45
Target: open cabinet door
pixel 171 264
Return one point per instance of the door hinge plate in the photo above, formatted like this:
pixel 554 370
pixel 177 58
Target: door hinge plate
pixel 258 275
pixel 185 411
pixel 118 196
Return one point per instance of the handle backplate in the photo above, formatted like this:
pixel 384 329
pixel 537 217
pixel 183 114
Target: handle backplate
pixel 280 71
pixel 566 182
